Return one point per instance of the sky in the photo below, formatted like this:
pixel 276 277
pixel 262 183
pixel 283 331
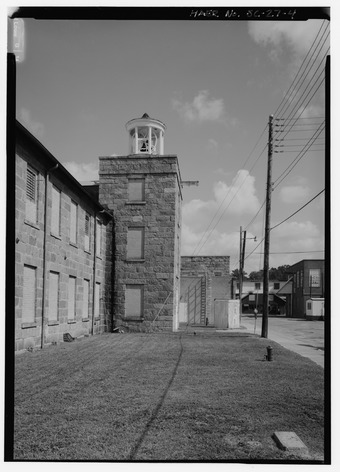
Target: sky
pixel 214 84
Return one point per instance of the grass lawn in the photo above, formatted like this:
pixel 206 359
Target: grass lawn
pixel 172 397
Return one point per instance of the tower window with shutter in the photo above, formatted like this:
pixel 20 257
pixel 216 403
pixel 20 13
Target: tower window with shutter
pixel 31 194
pixel 136 190
pixel 134 295
pixel 135 243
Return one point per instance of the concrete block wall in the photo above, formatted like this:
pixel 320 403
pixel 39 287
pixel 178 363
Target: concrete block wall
pixel 60 255
pixel 159 214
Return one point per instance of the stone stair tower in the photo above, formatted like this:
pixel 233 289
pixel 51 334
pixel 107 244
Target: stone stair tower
pixel 143 190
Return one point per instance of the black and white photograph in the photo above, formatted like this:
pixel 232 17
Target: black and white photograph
pixel 168 265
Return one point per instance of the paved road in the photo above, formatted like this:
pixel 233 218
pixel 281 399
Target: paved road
pixel 299 335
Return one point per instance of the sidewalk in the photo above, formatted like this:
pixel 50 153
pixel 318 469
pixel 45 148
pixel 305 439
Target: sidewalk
pixel 298 335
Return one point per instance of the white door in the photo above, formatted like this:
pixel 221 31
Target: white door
pixel 183 312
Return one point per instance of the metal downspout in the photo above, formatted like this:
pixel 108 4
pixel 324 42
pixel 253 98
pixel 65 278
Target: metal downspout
pixel 44 255
pixel 94 272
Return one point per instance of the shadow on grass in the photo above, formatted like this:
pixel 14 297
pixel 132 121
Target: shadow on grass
pixel 154 415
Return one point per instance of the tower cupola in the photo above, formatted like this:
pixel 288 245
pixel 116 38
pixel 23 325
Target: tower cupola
pixel 146 135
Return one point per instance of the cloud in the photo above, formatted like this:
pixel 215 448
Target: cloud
pixel 295 238
pixel 312 111
pixel 211 227
pixel 222 172
pixel 298 36
pixel 35 127
pixel 201 109
pixel 83 172
pixel 218 243
pixel 294 194
pixel 235 200
pixel 208 226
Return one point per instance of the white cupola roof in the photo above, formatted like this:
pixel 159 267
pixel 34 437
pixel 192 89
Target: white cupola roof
pixel 146 135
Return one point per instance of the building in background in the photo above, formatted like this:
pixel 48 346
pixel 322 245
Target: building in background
pixel 62 238
pixel 280 292
pixel 205 283
pixel 308 283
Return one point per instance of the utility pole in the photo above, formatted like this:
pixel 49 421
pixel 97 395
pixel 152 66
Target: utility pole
pixel 264 332
pixel 240 275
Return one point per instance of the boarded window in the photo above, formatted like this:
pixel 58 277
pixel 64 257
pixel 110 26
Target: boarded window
pixel 136 190
pixel 53 296
pixel 73 222
pixel 28 309
pixel 97 301
pixel 98 238
pixel 134 301
pixel 251 298
pixel 86 293
pixel 31 195
pixel 71 314
pixel 87 232
pixel 55 224
pixel 135 243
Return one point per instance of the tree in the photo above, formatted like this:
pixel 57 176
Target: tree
pixel 280 273
pixel 256 275
pixel 236 274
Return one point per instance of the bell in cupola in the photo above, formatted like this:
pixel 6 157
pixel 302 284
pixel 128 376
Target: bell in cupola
pixel 146 135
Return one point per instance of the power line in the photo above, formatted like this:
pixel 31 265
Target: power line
pixel 297 211
pixel 296 80
pixel 258 211
pixel 292 252
pixel 292 124
pixel 305 73
pixel 297 159
pixel 198 248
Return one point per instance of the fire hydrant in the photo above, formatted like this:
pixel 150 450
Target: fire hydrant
pixel 269 353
